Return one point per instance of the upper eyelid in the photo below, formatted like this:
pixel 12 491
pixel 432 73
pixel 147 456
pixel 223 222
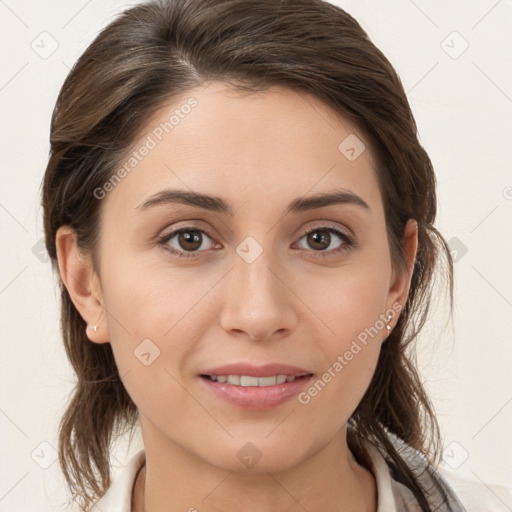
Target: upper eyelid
pixel 205 226
pixel 187 225
pixel 328 225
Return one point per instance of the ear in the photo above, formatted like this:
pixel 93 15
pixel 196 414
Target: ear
pixel 82 283
pixel 401 281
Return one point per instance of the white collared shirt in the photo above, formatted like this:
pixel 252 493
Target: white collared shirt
pixel 392 496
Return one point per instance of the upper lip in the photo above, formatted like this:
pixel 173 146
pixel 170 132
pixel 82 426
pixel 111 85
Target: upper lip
pixel 267 370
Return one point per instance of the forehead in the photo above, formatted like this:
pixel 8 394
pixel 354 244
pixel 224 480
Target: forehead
pixel 272 145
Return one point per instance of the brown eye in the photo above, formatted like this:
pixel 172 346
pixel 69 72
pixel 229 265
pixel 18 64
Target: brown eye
pixel 190 240
pixel 321 240
pixel 186 240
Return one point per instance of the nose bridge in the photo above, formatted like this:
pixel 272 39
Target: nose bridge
pixel 256 300
pixel 252 271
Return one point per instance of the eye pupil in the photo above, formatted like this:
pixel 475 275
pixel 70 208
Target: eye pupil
pixel 319 238
pixel 190 240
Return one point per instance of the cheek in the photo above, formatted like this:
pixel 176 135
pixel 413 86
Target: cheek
pixel 351 307
pixel 350 342
pixel 335 393
pixel 155 319
pixel 151 333
pixel 150 300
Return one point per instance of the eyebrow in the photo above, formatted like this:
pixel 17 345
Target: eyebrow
pixel 219 205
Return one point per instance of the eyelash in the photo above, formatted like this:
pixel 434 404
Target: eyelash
pixel 348 241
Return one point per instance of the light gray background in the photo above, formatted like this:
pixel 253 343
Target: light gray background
pixel 462 101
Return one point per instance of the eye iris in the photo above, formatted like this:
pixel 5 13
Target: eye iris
pixel 190 240
pixel 319 237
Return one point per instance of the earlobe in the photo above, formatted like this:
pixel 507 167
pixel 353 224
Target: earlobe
pixel 81 282
pixel 399 290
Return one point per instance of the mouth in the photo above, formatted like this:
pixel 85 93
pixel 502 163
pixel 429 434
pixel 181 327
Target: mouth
pixel 255 381
pixel 254 392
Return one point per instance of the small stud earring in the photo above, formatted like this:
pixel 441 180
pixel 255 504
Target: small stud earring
pixel 94 328
pixel 388 327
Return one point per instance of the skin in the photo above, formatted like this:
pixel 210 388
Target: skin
pixel 290 305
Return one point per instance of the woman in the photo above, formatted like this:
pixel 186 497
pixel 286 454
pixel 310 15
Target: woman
pixel 241 216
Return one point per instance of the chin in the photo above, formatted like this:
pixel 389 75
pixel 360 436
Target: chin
pixel 260 455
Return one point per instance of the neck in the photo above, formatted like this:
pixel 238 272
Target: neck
pixel 330 478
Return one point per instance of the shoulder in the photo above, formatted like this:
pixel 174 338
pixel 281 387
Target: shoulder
pixel 444 487
pixel 473 494
pixel 118 497
pixel 477 495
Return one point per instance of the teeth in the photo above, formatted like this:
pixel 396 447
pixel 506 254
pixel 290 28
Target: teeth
pixel 268 381
pixel 234 379
pixel 250 381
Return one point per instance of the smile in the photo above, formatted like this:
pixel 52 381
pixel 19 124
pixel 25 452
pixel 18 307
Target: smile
pixel 249 380
pixel 255 393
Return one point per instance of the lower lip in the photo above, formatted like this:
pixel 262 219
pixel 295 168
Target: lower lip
pixel 256 398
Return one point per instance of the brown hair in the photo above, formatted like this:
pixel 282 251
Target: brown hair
pixel 155 51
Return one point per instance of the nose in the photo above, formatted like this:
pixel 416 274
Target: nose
pixel 258 301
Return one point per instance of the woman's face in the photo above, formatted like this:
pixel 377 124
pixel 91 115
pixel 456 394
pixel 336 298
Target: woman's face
pixel 244 283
